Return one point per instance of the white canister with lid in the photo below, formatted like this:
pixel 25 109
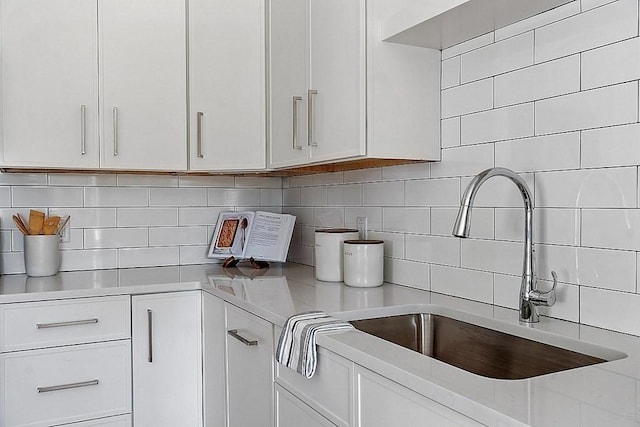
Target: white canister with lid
pixel 363 263
pixel 328 252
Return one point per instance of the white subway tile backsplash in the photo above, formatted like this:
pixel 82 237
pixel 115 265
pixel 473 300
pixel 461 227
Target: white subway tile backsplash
pixel 328 178
pixel 206 181
pixel 373 214
pixel 610 310
pixel 432 192
pixel 304 216
pixel 291 197
pixel 536 21
pixel 464 161
pixel 345 195
pixel 404 172
pixel 393 243
pixel 468 45
pixel 383 194
pixel 497 124
pixel 450 72
pixel 552 226
pixel 125 180
pixel 257 182
pixel 611 228
pixel 328 217
pixel 497 58
pixel 148 257
pixel 195 255
pixel 408 273
pixel 23 178
pixel 590 188
pixel 198 216
pixel 611 64
pixel 406 220
pixel 233 197
pixel 545 80
pixel 489 255
pixel 550 152
pixel 147 217
pixel 608 106
pixel 106 238
pixel 470 284
pixel 115 197
pixel 47 196
pixel 78 180
pixel 611 146
pixel 5 196
pixel 88 259
pixel 362 175
pixel 177 197
pixel 594 28
pixel 175 236
pixel 270 197
pixel 467 98
pixel 450 129
pixel 88 217
pixel 314 196
pixel 433 249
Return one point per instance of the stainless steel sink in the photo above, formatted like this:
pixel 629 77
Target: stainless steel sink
pixel 474 348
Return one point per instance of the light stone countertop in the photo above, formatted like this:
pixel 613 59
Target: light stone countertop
pixel 607 394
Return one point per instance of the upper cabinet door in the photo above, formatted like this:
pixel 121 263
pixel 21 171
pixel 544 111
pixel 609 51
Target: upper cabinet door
pixel 143 84
pixel 288 65
pixel 337 87
pixel 49 83
pixel 227 84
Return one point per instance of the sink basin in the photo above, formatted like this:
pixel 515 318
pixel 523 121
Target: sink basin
pixel 475 348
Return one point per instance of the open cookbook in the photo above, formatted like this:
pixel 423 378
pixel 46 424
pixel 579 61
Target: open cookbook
pixel 259 235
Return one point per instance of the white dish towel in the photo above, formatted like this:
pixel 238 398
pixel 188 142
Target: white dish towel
pixel 297 344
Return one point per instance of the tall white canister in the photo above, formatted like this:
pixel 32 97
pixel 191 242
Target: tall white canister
pixel 363 263
pixel 328 252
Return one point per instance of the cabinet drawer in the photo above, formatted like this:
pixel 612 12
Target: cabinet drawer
pixel 65 384
pixel 119 421
pixel 25 326
pixel 328 391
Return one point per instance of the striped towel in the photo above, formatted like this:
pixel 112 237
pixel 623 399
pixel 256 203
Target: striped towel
pixel 297 344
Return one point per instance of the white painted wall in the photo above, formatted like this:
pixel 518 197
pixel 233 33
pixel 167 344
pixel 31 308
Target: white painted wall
pixel 554 97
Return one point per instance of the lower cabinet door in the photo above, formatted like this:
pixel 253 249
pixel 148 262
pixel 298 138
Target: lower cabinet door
pixel 65 384
pixel 292 412
pixel 249 369
pixel 167 359
pixel 384 403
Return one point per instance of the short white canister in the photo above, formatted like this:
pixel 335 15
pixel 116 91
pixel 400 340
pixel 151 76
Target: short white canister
pixel 328 252
pixel 363 263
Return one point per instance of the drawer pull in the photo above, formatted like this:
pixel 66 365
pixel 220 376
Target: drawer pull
pixel 150 334
pixel 234 333
pixel 70 323
pixel 67 386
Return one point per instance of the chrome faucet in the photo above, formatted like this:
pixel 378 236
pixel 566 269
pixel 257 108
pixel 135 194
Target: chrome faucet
pixel 530 296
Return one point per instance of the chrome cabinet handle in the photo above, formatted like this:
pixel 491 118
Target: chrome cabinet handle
pixel 296 99
pixel 115 131
pixel 310 95
pixel 67 386
pixel 69 323
pixel 150 332
pixel 83 130
pixel 199 131
pixel 234 333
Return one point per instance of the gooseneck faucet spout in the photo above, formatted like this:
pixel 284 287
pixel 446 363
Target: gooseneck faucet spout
pixel 530 296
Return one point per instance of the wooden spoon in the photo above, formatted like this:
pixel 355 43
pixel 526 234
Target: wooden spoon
pixel 50 225
pixel 20 225
pixel 36 221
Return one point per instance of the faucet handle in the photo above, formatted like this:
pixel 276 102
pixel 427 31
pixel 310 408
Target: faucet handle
pixel 548 298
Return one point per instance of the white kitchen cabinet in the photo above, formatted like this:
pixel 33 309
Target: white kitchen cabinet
pixel 49 84
pixel 214 337
pixel 292 412
pixel 227 85
pixel 337 92
pixel 143 84
pixel 167 359
pixel 249 365
pixel 383 403
pixel 60 57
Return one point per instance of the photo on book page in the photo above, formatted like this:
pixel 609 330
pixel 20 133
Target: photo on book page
pixel 231 234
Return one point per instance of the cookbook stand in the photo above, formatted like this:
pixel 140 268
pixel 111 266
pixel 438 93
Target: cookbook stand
pixel 232 262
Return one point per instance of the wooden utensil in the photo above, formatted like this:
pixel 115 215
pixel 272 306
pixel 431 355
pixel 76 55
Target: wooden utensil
pixel 36 221
pixel 23 228
pixel 50 225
